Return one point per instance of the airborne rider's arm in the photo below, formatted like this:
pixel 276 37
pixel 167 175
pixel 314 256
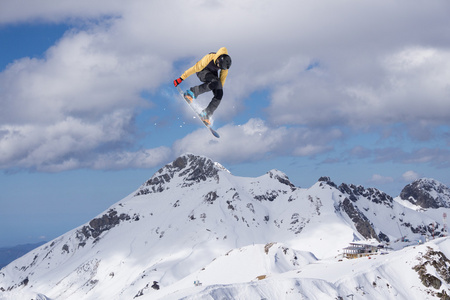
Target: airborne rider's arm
pixel 200 65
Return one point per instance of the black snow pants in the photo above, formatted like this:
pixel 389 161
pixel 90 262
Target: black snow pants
pixel 211 82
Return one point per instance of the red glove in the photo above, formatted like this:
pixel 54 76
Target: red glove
pixel 177 81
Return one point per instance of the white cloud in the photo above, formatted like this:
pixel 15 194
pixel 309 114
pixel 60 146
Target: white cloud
pixel 414 89
pixel 368 64
pixel 410 176
pixel 59 11
pixel 79 76
pixel 256 140
pixel 61 145
pixel 251 141
pixel 379 179
pixel 80 99
pixel 146 158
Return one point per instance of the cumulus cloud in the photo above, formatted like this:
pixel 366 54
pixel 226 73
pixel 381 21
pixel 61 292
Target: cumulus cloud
pixel 60 145
pixel 251 141
pixel 414 90
pixel 411 86
pixel 379 179
pixel 410 176
pixel 60 11
pixel 369 65
pixel 256 140
pixel 146 158
pixel 436 157
pixel 80 100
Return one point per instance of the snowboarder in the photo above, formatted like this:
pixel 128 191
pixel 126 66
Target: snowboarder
pixel 207 70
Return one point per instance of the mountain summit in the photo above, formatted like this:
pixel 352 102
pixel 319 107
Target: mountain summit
pixel 196 231
pixel 427 193
pixel 184 171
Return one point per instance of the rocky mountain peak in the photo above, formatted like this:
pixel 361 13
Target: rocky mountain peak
pixel 281 177
pixel 327 180
pixel 372 194
pixel 185 170
pixel 427 193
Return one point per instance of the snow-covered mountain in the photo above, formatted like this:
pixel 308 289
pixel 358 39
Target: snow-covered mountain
pixel 195 231
pixel 427 193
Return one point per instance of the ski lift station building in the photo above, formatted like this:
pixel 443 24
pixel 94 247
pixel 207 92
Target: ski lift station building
pixel 356 250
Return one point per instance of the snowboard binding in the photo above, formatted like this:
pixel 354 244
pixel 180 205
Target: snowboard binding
pixel 189 96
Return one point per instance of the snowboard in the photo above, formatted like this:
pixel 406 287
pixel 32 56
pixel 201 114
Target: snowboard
pixel 214 133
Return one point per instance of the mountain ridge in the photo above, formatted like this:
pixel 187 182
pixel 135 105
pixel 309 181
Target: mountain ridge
pixel 192 214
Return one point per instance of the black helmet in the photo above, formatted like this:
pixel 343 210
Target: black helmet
pixel 224 61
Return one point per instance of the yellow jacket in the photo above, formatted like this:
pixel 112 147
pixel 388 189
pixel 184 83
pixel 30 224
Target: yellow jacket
pixel 201 64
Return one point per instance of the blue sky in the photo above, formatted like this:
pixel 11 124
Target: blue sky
pixel 358 91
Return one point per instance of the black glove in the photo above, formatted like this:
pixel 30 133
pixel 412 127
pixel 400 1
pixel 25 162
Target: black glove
pixel 177 81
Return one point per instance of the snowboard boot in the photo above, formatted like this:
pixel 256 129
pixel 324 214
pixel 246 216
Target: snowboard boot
pixel 189 96
pixel 205 118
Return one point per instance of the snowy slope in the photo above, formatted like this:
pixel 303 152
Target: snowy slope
pixel 391 276
pixel 242 238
